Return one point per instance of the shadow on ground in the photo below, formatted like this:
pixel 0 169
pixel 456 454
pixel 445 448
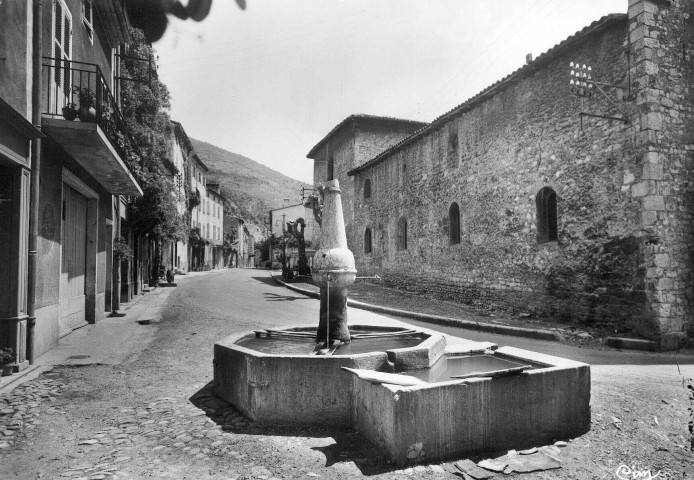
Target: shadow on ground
pixel 349 446
pixel 267 281
pixel 274 297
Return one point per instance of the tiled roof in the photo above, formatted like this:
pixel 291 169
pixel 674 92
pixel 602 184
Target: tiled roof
pixel 359 116
pixel 526 70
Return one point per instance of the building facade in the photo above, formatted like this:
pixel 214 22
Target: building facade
pixel 62 53
pixel 215 225
pixel 529 198
pixel 17 133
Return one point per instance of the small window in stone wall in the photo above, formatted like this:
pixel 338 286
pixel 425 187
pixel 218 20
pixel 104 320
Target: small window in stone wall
pixel 452 155
pixel 454 224
pixel 367 241
pixel 546 206
pixel 367 189
pixel 331 168
pixel 402 234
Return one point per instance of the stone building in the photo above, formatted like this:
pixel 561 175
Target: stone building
pixel 527 197
pixel 354 141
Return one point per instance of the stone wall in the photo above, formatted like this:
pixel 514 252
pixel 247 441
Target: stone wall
pixel 341 148
pixel 355 143
pixel 662 36
pixel 492 159
pixel 623 256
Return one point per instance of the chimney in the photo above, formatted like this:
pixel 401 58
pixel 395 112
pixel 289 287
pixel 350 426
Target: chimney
pixel 528 58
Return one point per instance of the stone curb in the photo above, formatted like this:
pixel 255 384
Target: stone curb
pixel 632 344
pixel 7 384
pixel 152 312
pixel 535 333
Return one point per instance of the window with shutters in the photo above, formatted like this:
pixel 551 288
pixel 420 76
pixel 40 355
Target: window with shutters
pixel 87 18
pixel 62 51
pixel 546 206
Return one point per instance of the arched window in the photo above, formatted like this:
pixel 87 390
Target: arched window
pixel 367 241
pixel 367 188
pixel 454 224
pixel 546 205
pixel 402 233
pixel 331 168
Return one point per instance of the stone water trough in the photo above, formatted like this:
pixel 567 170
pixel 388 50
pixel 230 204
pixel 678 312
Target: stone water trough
pixel 421 415
pixel 417 395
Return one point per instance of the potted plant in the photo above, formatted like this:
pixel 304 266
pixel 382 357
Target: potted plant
pixel 121 249
pixel 87 99
pixel 6 360
pixel 70 111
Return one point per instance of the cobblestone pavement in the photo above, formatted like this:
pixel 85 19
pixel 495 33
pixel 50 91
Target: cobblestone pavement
pixel 153 414
pixel 203 432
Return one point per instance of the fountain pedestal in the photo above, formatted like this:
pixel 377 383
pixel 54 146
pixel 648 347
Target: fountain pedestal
pixel 333 268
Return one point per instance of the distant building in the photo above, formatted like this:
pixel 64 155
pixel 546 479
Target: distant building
pixel 530 199
pixel 242 243
pixel 215 222
pixel 205 204
pixel 279 218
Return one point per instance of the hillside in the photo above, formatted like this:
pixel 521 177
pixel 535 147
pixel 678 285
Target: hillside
pixel 252 188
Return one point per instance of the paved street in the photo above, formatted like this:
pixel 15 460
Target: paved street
pixel 146 411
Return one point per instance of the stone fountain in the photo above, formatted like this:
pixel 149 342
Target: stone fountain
pixel 416 394
pixel 333 269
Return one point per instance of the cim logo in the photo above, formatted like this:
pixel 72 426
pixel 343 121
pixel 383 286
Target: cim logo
pixel 625 472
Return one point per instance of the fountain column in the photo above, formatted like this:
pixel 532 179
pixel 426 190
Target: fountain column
pixel 333 268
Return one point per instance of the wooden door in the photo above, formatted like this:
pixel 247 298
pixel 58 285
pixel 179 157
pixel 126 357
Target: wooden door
pixel 73 260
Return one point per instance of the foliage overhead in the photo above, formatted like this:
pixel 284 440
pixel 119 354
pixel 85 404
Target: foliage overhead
pixel 145 107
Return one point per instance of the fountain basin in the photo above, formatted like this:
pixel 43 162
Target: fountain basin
pixel 437 419
pixel 302 389
pixel 452 418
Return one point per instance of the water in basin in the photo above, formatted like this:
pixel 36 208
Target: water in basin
pixel 448 366
pixel 304 346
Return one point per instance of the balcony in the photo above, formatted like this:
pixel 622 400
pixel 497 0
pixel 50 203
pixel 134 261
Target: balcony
pixel 81 115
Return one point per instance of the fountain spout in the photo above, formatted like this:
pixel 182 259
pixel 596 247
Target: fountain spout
pixel 333 268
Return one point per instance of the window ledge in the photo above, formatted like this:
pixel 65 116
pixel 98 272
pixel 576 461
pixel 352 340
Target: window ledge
pixel 552 244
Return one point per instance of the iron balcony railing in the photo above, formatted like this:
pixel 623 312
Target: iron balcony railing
pixel 77 91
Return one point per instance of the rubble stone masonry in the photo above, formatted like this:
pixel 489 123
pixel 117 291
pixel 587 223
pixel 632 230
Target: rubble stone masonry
pixel 625 231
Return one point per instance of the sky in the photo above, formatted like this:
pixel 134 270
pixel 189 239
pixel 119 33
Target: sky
pixel 269 82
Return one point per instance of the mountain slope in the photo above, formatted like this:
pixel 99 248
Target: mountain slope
pixel 251 188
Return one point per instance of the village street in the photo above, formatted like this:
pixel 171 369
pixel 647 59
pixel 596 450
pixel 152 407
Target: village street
pixel 150 413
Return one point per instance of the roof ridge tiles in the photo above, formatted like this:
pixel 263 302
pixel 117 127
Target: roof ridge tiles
pixel 585 32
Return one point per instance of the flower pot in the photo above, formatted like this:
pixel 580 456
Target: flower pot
pixel 87 114
pixel 69 113
pixel 7 370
